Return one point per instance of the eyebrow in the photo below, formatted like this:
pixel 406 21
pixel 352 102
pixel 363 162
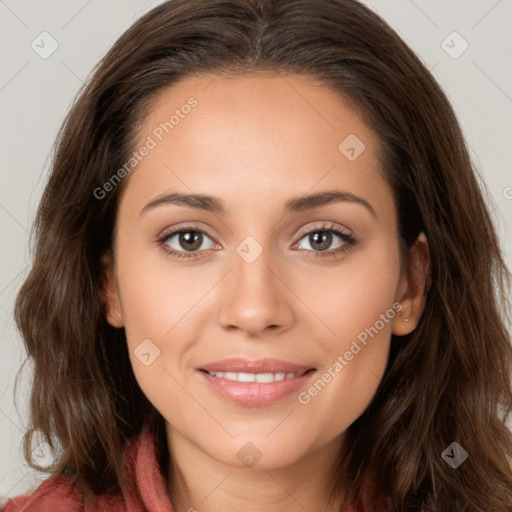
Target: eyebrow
pixel 293 205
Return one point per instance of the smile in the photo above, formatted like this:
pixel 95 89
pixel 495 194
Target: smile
pixel 255 389
pixel 255 377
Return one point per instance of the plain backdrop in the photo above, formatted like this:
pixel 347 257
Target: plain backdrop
pixel 36 93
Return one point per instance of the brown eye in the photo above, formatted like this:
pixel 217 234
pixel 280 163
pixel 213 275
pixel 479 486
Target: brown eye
pixel 190 240
pixel 185 242
pixel 321 239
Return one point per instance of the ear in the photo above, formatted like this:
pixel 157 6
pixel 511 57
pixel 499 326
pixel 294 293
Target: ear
pixel 412 288
pixel 110 292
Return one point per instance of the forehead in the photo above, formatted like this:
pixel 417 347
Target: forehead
pixel 263 104
pixel 262 136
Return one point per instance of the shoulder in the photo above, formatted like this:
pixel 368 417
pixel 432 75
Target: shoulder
pixel 57 494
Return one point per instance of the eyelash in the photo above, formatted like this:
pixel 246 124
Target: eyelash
pixel 349 241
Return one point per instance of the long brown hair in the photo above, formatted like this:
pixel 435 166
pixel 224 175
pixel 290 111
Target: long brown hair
pixel 448 381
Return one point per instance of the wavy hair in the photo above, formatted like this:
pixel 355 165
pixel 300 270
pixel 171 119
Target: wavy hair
pixel 448 381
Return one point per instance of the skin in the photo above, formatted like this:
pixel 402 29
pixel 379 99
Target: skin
pixel 256 141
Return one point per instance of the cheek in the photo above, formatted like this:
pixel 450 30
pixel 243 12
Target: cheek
pixel 349 298
pixel 356 305
pixel 156 293
pixel 164 310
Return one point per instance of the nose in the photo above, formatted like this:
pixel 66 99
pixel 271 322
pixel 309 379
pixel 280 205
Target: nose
pixel 255 298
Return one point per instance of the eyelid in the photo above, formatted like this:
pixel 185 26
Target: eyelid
pixel 341 231
pixel 325 226
pixel 191 226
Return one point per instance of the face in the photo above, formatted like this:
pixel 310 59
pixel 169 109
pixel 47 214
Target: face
pixel 287 285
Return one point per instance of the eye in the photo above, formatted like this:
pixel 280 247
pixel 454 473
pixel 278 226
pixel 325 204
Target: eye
pixel 322 237
pixel 190 238
pixel 189 241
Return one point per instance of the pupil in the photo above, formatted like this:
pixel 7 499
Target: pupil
pixel 322 234
pixel 190 240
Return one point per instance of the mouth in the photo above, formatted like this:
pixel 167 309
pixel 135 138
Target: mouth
pixel 260 366
pixel 263 378
pixel 255 383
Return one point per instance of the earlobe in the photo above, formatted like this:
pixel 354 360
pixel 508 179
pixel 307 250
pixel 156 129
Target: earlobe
pixel 110 294
pixel 414 287
pixel 402 325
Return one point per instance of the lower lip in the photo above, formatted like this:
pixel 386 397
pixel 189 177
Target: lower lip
pixel 255 393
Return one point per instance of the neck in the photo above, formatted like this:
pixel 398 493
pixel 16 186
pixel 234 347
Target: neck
pixel 199 482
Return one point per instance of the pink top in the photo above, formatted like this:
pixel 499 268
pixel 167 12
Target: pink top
pixel 148 492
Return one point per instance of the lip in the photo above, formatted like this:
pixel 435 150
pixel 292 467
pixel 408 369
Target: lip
pixel 252 394
pixel 240 364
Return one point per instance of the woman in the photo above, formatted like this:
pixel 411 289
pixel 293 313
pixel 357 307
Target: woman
pixel 194 348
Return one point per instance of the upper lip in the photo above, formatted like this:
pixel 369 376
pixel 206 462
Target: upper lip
pixel 260 366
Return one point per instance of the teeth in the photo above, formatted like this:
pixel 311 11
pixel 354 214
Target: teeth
pixel 254 377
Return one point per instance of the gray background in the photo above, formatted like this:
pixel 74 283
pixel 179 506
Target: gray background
pixel 36 93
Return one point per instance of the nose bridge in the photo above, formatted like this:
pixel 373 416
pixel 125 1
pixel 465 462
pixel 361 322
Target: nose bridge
pixel 252 267
pixel 253 281
pixel 254 297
